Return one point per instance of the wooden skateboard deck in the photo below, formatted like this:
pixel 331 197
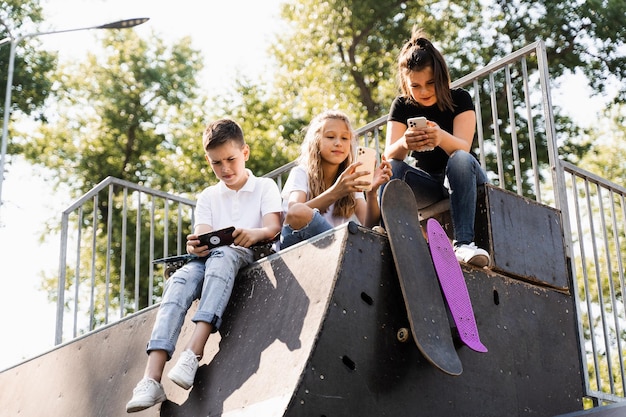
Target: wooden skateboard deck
pixel 172 263
pixel 453 285
pixel 174 259
pixel 425 307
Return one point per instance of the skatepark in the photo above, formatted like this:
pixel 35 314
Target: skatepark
pixel 315 330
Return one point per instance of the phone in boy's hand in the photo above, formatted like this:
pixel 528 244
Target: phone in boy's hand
pixel 217 238
pixel 367 156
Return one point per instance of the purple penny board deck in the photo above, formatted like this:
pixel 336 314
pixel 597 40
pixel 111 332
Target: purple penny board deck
pixel 424 303
pixel 453 285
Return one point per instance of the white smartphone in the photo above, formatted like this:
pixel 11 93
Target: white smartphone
pixel 419 122
pixel 367 157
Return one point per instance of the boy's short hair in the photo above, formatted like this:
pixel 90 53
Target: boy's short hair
pixel 221 131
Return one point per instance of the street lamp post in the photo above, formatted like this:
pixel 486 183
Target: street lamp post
pixel 120 24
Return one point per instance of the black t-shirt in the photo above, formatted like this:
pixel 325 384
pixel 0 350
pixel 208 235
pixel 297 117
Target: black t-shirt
pixel 433 162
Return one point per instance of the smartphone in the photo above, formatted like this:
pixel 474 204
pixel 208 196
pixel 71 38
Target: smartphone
pixel 217 238
pixel 419 122
pixel 367 156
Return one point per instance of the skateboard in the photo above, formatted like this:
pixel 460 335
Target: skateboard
pixel 260 250
pixel 453 285
pixel 172 263
pixel 424 302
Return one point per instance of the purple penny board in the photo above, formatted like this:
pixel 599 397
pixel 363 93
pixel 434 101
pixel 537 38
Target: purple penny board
pixel 453 285
pixel 426 310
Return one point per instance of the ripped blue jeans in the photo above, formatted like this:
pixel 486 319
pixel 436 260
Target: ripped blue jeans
pixel 209 279
pixel 317 225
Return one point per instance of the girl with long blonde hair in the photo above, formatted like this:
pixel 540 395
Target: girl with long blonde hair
pixel 325 189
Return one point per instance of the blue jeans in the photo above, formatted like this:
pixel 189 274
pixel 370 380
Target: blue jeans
pixel 317 225
pixel 463 173
pixel 210 279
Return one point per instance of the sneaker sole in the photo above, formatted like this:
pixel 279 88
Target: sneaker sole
pixel 179 381
pixel 138 406
pixel 479 261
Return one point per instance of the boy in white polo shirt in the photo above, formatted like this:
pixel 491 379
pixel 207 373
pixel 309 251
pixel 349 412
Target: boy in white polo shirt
pixel 253 206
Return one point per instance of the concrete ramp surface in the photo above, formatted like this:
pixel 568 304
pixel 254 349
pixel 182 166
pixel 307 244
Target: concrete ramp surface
pixel 312 331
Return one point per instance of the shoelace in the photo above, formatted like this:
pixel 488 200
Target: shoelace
pixel 144 386
pixel 189 362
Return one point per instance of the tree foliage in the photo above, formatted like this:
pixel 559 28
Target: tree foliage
pixel 342 53
pixel 133 114
pixel 32 66
pixel 607 155
pixel 587 35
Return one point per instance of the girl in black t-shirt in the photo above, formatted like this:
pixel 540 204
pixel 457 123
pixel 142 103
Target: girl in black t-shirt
pixel 444 165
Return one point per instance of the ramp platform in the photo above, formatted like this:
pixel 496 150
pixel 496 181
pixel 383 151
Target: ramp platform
pixel 312 331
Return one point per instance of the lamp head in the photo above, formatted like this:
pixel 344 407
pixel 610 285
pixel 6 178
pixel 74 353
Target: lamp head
pixel 124 24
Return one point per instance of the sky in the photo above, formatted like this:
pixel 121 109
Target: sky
pixel 233 36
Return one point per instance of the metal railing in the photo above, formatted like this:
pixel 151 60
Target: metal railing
pixel 119 219
pixel 598 222
pixel 517 146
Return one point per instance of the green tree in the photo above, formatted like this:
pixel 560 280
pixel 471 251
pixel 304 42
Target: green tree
pixel 269 131
pixel 580 35
pixel 32 67
pixel 607 155
pixel 134 108
pixel 134 113
pixel 342 53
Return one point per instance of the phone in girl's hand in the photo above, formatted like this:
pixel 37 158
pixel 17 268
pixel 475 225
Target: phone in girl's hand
pixel 367 157
pixel 418 122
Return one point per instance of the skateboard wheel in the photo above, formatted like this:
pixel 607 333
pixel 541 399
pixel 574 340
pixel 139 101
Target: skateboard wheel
pixel 353 228
pixel 169 270
pixel 403 334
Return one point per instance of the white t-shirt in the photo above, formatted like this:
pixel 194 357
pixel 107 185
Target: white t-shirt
pixel 298 181
pixel 220 207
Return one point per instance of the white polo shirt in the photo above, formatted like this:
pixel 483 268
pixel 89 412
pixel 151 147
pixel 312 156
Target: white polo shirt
pixel 220 207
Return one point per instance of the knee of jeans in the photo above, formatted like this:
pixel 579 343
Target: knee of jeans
pixel 460 158
pixel 460 162
pixel 299 215
pixel 176 292
pixel 397 168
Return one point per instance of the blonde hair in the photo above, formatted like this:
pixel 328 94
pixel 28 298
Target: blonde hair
pixel 419 53
pixel 311 160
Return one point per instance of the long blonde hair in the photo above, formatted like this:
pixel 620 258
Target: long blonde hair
pixel 311 160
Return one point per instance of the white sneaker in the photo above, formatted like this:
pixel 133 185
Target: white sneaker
pixel 471 254
pixel 184 372
pixel 147 393
pixel 379 229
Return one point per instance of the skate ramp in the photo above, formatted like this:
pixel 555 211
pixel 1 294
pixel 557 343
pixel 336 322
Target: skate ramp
pixel 312 331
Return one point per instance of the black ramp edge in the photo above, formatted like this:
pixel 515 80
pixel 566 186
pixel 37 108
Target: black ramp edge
pixel 312 331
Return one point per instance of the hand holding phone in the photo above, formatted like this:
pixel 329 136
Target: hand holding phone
pixel 367 157
pixel 222 237
pixel 419 123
